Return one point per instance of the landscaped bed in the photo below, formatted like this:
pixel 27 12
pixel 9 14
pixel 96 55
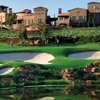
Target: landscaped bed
pixel 44 73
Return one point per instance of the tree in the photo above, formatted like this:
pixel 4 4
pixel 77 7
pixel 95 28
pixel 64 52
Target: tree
pixel 88 23
pixel 33 26
pixel 84 22
pixel 9 19
pixel 23 33
pixel 43 30
pixel 94 20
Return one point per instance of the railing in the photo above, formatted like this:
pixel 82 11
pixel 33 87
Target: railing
pixel 62 21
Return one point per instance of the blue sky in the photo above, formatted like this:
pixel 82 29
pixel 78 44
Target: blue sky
pixel 51 5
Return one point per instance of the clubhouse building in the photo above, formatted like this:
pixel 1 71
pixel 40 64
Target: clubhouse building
pixel 75 17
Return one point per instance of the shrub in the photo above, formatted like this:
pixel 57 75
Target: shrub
pixel 55 82
pixel 89 76
pixel 13 84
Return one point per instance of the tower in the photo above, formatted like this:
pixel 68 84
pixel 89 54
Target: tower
pixel 40 14
pixel 59 10
pixel 94 7
pixel 94 13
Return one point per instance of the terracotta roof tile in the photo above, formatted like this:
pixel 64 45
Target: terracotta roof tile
pixel 40 7
pixel 76 8
pixel 63 14
pixel 94 2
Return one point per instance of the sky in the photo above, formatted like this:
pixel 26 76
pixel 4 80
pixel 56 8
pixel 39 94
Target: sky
pixel 51 5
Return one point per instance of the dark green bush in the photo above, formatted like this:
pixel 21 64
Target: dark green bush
pixel 89 76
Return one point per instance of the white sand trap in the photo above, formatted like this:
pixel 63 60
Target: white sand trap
pixel 5 70
pixel 86 55
pixel 40 58
pixel 47 98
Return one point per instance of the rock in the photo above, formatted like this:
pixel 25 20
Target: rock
pixel 64 77
pixel 36 42
pixel 96 64
pixel 97 73
pixel 93 93
pixel 89 66
pixel 47 98
pixel 93 69
pixel 88 82
pixel 29 67
pixel 7 79
pixel 18 68
pixel 69 70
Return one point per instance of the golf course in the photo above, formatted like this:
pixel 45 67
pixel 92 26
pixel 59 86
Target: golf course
pixel 70 63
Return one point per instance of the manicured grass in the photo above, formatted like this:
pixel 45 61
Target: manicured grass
pixel 72 97
pixel 60 53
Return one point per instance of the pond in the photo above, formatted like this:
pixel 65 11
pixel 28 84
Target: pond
pixel 51 93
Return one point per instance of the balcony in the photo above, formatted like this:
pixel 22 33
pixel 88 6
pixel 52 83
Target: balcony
pixel 64 21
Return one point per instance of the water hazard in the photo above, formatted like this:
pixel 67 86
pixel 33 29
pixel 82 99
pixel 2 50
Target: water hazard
pixel 51 92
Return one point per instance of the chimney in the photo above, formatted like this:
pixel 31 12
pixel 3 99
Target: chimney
pixel 9 10
pixel 59 10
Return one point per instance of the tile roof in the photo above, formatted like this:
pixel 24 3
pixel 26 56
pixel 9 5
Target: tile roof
pixel 18 19
pixel 3 6
pixel 63 14
pixel 40 7
pixel 94 2
pixel 76 8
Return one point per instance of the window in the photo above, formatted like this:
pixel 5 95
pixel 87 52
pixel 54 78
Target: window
pixel 80 18
pixel 28 21
pixel 32 21
pixel 74 18
pixel 66 18
pixel 61 18
pixel 40 20
pixel 24 21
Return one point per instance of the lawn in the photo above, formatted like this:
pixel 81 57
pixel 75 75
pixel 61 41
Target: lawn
pixel 72 97
pixel 60 53
pixel 60 62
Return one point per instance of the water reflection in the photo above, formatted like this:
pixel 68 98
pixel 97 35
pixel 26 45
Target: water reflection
pixel 59 93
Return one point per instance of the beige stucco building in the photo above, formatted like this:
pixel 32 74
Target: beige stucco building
pixel 4 10
pixel 74 17
pixel 27 18
pixel 63 18
pixel 78 16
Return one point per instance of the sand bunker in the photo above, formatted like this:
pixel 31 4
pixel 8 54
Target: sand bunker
pixel 86 55
pixel 40 58
pixel 5 70
pixel 47 98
